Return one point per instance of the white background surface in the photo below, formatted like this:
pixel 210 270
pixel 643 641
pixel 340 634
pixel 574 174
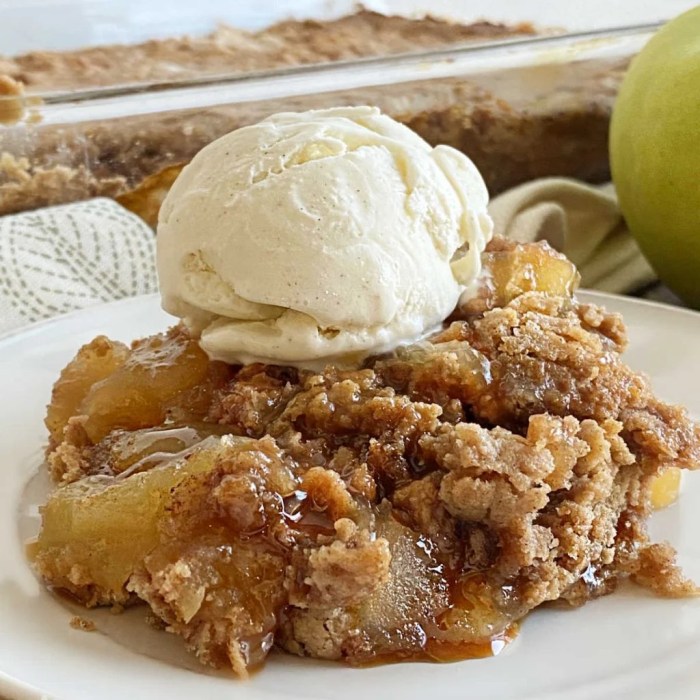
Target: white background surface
pixel 58 24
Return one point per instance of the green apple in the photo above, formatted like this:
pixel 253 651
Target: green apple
pixel 655 153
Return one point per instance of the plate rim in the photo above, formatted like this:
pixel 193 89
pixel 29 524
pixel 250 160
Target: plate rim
pixel 14 333
pixel 21 690
pixel 594 294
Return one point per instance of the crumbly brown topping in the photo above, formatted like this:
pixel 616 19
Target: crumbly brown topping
pixel 81 623
pixel 231 50
pixel 11 103
pixel 414 508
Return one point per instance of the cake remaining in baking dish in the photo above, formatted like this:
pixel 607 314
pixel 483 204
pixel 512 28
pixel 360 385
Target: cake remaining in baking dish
pixel 556 124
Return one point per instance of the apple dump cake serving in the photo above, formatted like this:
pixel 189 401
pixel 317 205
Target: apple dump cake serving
pixel 378 433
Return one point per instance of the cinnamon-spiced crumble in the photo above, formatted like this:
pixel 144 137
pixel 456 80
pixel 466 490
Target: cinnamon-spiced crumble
pixel 416 508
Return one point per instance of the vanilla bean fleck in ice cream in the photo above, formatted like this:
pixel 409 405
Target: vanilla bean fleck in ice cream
pixel 317 237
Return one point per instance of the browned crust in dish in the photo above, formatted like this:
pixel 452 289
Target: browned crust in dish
pixel 560 131
pixel 554 122
pixel 229 50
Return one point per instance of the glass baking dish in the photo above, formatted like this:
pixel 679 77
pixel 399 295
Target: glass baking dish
pixel 520 108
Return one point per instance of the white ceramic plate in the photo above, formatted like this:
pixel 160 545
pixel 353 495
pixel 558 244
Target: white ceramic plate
pixel 628 645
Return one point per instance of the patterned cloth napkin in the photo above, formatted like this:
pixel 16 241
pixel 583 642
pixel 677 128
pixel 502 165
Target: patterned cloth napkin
pixel 60 259
pixel 65 258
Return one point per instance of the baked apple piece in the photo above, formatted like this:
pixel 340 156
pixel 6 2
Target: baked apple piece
pixel 97 531
pixel 510 269
pixel 163 376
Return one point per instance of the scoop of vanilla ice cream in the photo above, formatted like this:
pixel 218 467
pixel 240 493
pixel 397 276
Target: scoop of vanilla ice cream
pixel 320 236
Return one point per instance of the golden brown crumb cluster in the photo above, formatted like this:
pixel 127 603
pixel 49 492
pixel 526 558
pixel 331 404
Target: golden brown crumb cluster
pixel 230 50
pixel 416 508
